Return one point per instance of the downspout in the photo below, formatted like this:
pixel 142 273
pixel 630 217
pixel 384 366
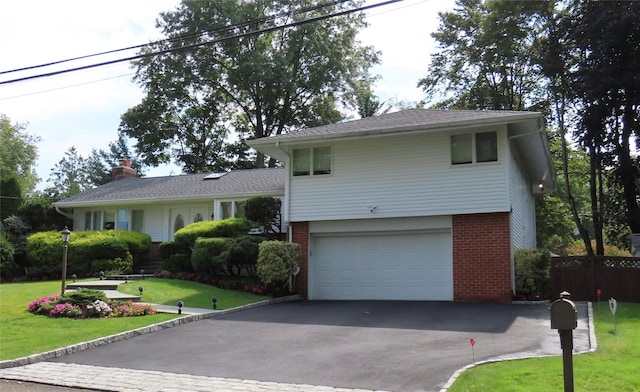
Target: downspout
pixel 286 193
pixel 70 216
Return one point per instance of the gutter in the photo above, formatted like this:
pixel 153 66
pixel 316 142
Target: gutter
pixel 287 190
pixel 66 214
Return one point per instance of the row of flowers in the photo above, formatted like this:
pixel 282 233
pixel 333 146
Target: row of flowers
pixel 53 307
pixel 230 283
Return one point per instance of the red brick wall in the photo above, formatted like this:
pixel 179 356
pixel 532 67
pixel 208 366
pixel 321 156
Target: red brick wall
pixel 300 231
pixel 482 258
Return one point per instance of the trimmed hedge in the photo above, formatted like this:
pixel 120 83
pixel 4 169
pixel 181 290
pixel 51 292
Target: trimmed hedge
pixel 226 256
pixel 227 228
pixel 7 251
pixel 209 256
pixel 109 250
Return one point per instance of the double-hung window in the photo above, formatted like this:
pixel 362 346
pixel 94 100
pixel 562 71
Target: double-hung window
pixel 474 148
pixel 311 161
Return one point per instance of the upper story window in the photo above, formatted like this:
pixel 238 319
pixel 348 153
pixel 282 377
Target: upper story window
pixel 474 148
pixel 311 161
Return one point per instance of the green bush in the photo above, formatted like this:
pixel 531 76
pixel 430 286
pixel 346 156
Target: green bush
pixel 532 273
pixel 6 254
pixel 44 251
pixel 209 255
pixel 227 228
pixel 277 260
pixel 168 248
pixel 264 211
pixel 242 254
pixel 83 297
pixel 177 262
pixel 113 266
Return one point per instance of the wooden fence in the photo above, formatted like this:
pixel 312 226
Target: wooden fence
pixel 583 276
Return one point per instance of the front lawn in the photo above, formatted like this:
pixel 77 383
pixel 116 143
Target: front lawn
pixel 23 333
pixel 615 366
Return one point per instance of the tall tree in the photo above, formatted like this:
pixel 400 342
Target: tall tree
pixel 69 176
pixel 607 36
pixel 18 154
pixel 242 77
pixel 485 56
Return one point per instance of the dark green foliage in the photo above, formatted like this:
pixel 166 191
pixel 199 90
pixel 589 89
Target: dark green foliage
pixel 83 297
pixel 111 247
pixel 138 243
pixel 6 255
pixel 10 196
pixel 209 255
pixel 227 228
pixel 168 248
pixel 532 273
pixel 243 250
pixel 264 211
pixel 277 261
pixel 177 262
pixel 114 265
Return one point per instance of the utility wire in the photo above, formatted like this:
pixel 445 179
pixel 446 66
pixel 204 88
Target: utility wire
pixel 242 35
pixel 186 36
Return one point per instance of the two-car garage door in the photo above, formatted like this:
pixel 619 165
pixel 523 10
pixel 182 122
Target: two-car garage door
pixel 382 266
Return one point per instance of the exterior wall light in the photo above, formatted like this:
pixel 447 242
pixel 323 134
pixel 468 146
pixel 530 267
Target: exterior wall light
pixel 65 240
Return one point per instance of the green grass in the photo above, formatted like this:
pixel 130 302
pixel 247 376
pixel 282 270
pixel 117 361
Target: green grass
pixel 193 294
pixel 23 334
pixel 615 366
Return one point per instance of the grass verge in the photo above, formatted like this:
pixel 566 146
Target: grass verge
pixel 193 294
pixel 613 367
pixel 23 334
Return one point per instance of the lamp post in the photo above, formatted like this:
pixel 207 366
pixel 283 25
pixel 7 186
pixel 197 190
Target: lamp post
pixel 65 239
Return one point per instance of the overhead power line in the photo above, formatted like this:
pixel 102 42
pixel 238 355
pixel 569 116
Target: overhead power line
pixel 236 36
pixel 186 36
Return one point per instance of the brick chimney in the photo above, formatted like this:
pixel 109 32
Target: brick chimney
pixel 123 170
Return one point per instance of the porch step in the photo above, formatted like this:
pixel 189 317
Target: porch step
pixel 128 277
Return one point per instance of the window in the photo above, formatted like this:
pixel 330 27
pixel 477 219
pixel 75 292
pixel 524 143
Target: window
pixel 123 220
pixel 232 209
pixel 311 161
pixel 109 220
pixel 137 220
pixel 178 223
pixel 474 148
pixel 225 206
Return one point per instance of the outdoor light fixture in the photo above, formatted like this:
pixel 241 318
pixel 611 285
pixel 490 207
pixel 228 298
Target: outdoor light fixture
pixel 101 273
pixel 180 305
pixel 74 277
pixel 140 289
pixel 541 186
pixel 65 239
pixel 214 300
pixel 142 273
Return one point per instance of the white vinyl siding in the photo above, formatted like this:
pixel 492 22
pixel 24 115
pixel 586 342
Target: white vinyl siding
pixel 402 176
pixel 523 224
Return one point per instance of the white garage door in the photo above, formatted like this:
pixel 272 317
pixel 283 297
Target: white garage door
pixel 416 266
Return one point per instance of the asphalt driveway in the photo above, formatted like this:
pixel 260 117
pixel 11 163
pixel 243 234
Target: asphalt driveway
pixel 394 346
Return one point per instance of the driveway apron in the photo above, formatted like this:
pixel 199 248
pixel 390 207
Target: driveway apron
pixel 378 345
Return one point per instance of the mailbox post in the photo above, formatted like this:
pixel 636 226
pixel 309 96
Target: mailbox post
pixel 564 318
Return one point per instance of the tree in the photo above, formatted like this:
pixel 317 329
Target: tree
pixel 10 196
pixel 265 211
pixel 239 83
pixel 69 176
pixel 18 154
pixel 485 56
pixel 607 37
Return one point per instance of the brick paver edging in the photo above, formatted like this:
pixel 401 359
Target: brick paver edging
pixel 593 345
pixel 74 348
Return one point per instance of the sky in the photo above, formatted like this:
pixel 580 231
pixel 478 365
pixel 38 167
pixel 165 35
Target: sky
pixel 83 108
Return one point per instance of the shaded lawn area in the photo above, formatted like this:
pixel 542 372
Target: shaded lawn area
pixel 23 334
pixel 614 366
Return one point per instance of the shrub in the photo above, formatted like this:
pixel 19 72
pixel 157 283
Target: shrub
pixel 114 266
pixel 264 211
pixel 177 262
pixel 83 297
pixel 242 254
pixel 277 260
pixel 227 228
pixel 209 255
pixel 532 273
pixel 6 254
pixel 44 251
pixel 578 249
pixel 168 248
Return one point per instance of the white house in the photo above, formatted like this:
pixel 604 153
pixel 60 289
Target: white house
pixel 414 205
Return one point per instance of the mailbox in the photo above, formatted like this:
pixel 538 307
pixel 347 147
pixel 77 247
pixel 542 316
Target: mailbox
pixel 564 314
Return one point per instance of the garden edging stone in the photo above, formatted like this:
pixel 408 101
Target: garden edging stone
pixel 74 348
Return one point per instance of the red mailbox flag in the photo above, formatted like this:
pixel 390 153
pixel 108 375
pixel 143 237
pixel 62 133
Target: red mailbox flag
pixel 598 292
pixel 472 341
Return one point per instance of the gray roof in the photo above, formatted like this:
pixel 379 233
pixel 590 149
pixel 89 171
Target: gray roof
pixel 182 187
pixel 404 120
